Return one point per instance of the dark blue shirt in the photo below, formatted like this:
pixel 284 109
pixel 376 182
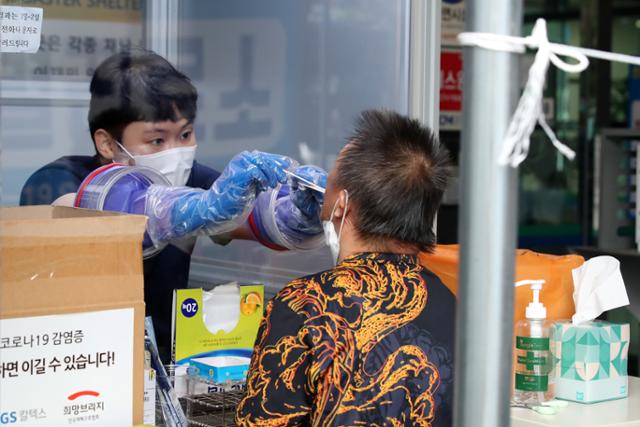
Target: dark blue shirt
pixel 164 272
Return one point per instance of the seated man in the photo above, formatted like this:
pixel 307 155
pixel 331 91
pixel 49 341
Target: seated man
pixel 369 342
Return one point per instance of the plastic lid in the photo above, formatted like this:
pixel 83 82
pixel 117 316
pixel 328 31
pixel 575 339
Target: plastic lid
pixel 121 188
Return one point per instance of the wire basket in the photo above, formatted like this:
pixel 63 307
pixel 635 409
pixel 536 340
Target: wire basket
pixel 206 403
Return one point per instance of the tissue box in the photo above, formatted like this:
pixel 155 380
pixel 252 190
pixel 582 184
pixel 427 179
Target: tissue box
pixel 220 322
pixel 221 369
pixel 590 361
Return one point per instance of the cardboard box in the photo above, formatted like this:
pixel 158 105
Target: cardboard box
pixel 239 317
pixel 71 316
pixel 590 361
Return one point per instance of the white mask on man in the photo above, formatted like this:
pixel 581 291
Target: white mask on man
pixel 175 164
pixel 331 237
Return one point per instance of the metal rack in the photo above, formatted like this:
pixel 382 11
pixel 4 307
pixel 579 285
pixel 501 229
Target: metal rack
pixel 214 408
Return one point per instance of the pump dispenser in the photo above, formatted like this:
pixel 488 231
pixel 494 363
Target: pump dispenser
pixel 535 309
pixel 532 356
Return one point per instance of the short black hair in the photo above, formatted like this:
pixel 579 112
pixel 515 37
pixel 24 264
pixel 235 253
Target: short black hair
pixel 396 172
pixel 138 85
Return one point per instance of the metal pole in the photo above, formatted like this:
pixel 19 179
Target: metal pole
pixel 424 62
pixel 424 65
pixel 487 226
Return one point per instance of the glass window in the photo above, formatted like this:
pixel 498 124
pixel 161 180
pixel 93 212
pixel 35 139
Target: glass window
pixel 44 95
pixel 548 196
pixel 281 76
pixel 288 77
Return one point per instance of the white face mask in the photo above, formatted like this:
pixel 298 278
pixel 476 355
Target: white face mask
pixel 175 164
pixel 331 237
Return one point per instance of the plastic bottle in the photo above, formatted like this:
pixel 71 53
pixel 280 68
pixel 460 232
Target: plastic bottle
pixel 532 356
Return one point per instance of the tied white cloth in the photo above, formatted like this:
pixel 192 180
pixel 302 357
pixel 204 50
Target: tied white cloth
pixel 598 287
pixel 529 110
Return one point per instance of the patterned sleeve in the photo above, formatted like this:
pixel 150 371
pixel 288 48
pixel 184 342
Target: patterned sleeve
pixel 279 391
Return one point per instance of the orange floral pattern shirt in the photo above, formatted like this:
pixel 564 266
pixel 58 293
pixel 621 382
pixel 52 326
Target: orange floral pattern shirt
pixel 368 343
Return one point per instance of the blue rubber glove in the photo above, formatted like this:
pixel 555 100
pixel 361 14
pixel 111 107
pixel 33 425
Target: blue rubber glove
pixel 307 200
pixel 178 211
pixel 289 217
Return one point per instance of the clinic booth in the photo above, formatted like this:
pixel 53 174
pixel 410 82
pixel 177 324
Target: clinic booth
pixel 543 196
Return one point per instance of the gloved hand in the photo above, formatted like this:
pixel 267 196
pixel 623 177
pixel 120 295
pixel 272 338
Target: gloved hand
pixel 307 200
pixel 289 217
pixel 178 211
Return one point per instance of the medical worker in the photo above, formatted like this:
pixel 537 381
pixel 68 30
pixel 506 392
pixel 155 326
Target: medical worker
pixel 142 112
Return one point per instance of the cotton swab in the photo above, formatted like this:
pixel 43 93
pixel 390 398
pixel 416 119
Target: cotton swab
pixel 307 183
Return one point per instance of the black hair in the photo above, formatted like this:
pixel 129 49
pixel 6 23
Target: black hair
pixel 135 86
pixel 395 171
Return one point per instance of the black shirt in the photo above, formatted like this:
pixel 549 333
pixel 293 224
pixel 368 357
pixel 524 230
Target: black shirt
pixel 369 342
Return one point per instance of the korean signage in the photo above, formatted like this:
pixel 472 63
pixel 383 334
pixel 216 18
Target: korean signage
pixel 20 29
pixel 451 73
pixel 75 36
pixel 67 369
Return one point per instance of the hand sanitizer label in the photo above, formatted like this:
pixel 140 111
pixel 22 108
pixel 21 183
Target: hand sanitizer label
pixel 532 344
pixel 532 382
pixel 532 363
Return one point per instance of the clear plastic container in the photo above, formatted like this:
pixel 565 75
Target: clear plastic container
pixel 269 223
pixel 120 188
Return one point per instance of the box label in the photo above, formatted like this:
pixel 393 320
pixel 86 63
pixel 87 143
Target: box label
pixel 69 368
pixel 532 382
pixel 149 396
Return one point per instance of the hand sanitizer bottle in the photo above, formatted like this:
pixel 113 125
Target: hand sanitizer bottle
pixel 532 356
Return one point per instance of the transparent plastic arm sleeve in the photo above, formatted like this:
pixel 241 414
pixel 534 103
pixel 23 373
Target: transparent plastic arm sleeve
pixel 181 211
pixel 288 217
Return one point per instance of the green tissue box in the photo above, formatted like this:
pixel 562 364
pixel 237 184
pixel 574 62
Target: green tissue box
pixel 590 361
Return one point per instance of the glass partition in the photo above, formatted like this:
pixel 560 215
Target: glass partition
pixel 288 77
pixel 282 76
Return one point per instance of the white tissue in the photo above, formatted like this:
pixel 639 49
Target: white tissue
pixel 598 287
pixel 221 308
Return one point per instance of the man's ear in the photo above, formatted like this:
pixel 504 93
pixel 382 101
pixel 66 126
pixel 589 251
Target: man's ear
pixel 341 204
pixel 104 144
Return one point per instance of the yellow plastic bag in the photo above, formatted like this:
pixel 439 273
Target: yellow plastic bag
pixel 556 294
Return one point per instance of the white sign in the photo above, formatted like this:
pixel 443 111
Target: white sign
pixel 20 29
pixel 149 397
pixel 67 369
pixel 452 22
